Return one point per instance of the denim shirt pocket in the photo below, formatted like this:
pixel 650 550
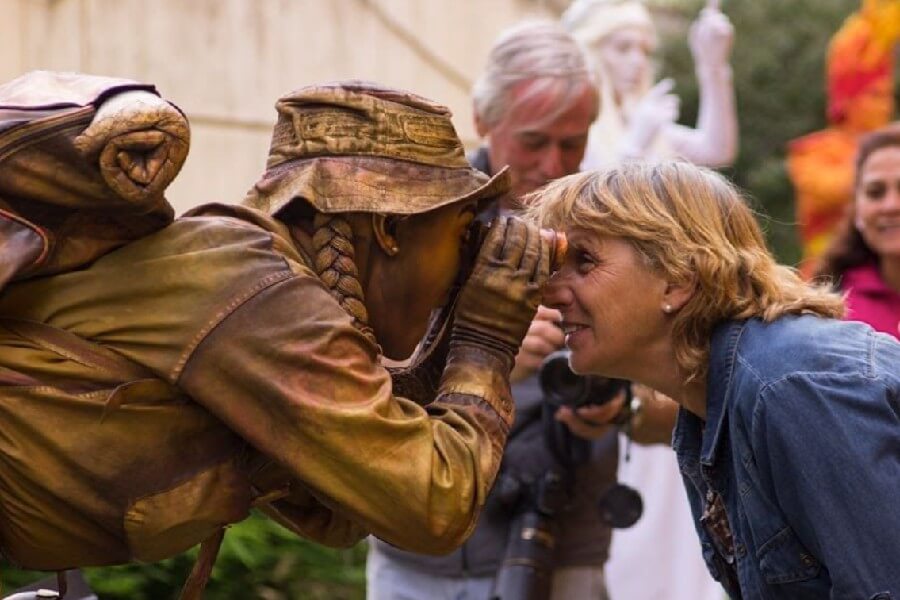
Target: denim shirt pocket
pixel 783 559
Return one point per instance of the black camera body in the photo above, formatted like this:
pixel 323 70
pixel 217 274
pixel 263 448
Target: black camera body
pixel 526 572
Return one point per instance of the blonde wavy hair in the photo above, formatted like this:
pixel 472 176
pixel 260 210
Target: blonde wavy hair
pixel 691 225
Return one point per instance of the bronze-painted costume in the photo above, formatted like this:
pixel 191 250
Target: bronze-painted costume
pixel 220 370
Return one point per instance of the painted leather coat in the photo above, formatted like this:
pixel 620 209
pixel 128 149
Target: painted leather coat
pixel 250 386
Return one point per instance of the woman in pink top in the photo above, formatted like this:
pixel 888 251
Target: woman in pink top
pixel 865 258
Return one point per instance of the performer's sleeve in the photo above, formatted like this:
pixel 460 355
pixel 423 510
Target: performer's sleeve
pixel 289 373
pixel 829 447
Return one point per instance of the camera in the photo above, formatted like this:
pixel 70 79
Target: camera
pixel 527 569
pixel 526 573
pixel 562 387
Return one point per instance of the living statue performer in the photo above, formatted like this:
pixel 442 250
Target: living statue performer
pixel 637 118
pixel 233 357
pixel 859 72
pixel 637 121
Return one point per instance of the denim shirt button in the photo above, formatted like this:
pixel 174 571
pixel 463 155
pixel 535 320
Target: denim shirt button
pixel 807 560
pixel 740 549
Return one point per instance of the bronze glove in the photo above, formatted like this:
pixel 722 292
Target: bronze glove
pixel 500 297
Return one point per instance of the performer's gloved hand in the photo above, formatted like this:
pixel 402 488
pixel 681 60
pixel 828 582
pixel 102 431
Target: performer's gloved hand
pixel 139 142
pixel 498 301
pixel 128 112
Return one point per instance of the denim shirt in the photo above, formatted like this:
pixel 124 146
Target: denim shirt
pixel 802 444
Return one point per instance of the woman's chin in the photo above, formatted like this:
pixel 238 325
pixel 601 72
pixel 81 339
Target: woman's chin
pixel 578 364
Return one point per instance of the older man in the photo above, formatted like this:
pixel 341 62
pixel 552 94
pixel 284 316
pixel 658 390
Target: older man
pixel 534 105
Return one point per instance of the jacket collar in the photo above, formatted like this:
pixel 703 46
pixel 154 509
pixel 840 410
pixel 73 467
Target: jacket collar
pixel 722 358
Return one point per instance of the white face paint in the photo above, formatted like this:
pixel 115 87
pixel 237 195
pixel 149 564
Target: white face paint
pixel 626 57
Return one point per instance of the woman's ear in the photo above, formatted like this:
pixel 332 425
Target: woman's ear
pixel 676 295
pixel 385 229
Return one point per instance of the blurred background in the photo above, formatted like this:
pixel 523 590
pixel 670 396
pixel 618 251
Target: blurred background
pixel 224 62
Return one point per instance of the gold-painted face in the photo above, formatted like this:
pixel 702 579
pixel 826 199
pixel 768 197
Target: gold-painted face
pixel 406 284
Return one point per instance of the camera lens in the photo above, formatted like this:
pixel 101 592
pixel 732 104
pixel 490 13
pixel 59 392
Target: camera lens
pixel 561 386
pixel 621 506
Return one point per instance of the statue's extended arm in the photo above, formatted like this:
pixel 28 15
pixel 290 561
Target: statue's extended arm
pixel 714 141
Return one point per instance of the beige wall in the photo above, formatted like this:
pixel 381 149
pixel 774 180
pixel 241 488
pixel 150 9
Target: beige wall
pixel 226 61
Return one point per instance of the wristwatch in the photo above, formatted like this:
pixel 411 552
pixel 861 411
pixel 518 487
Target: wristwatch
pixel 630 412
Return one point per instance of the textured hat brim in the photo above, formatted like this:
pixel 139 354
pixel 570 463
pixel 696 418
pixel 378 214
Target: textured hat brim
pixel 337 184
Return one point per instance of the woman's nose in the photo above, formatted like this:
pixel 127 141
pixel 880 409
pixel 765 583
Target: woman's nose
pixel 557 293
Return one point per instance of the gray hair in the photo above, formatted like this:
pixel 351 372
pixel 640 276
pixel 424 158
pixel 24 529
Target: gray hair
pixel 539 51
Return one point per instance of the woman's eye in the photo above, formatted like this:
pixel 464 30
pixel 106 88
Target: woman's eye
pixel 584 262
pixel 875 191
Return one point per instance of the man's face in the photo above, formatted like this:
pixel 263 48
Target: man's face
pixel 538 149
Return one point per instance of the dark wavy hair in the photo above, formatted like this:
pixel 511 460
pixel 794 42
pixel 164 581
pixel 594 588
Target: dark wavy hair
pixel 849 249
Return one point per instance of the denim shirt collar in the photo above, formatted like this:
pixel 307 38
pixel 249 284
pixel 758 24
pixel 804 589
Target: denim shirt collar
pixel 690 429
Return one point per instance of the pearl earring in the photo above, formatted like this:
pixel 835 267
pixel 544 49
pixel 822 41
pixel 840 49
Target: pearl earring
pixel 667 308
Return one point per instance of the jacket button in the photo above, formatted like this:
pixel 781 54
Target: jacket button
pixel 807 560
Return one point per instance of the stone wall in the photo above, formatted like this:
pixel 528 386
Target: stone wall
pixel 224 62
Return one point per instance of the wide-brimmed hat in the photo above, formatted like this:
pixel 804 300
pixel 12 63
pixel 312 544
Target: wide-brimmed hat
pixel 360 147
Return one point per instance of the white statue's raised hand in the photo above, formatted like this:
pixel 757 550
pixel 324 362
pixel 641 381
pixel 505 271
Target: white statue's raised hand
pixel 711 38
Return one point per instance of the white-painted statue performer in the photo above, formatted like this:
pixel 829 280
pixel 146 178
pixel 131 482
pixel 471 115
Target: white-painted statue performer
pixel 638 121
pixel 638 118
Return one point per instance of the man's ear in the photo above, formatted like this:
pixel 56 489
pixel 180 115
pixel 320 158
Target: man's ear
pixel 385 229
pixel 481 127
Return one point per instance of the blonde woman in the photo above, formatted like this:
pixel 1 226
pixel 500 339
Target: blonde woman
pixel 637 121
pixel 787 428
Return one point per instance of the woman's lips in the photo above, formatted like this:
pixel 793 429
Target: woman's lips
pixel 573 332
